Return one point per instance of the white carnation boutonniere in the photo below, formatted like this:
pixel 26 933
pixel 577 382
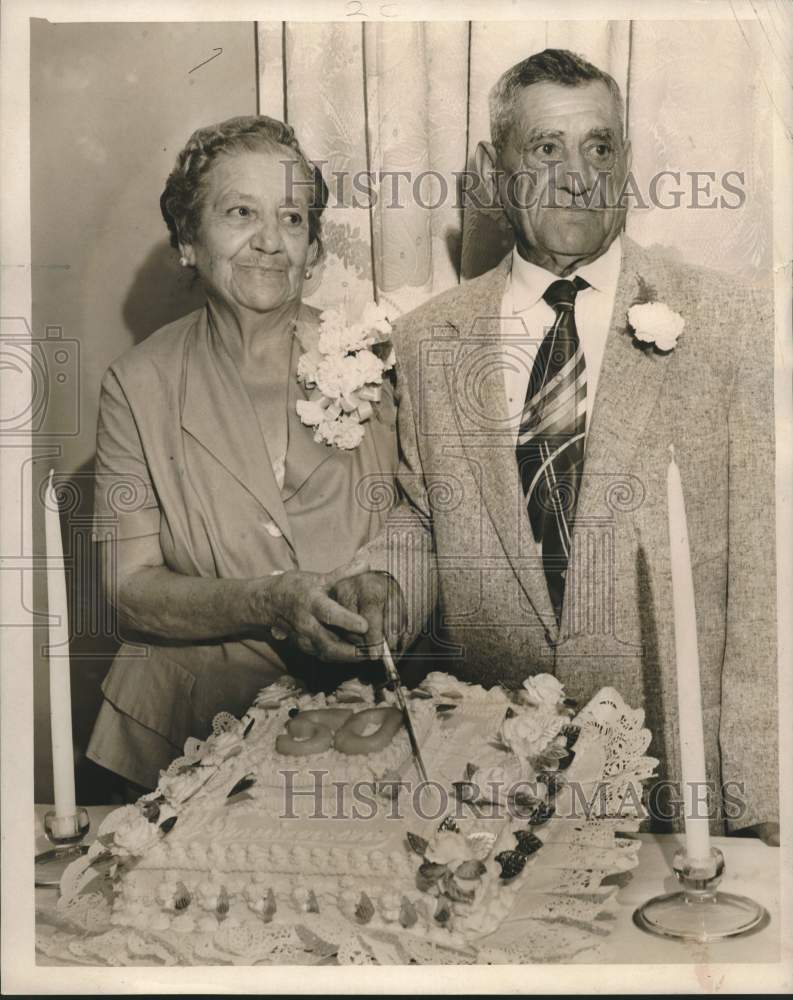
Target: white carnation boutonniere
pixel 653 322
pixel 344 371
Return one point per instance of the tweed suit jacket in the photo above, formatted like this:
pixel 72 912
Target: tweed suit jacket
pixel 460 541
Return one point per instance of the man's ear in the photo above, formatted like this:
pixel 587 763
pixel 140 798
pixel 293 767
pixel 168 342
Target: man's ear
pixel 486 160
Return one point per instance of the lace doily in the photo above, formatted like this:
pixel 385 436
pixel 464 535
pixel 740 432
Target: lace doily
pixel 562 911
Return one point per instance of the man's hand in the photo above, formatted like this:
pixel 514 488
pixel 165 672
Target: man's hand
pixel 378 598
pixel 298 606
pixel 767 832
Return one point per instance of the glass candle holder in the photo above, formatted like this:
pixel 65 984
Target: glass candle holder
pixel 66 833
pixel 700 912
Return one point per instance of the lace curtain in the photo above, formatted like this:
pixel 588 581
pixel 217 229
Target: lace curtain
pixel 412 97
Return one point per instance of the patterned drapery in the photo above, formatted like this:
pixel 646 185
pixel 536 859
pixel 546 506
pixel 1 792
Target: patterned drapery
pixel 411 98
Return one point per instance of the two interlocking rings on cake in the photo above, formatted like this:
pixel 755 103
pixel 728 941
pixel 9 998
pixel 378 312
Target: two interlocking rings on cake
pixel 319 729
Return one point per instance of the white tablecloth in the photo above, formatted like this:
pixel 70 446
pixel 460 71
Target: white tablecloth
pixel 752 870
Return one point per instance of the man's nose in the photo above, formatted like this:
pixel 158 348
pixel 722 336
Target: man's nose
pixel 576 174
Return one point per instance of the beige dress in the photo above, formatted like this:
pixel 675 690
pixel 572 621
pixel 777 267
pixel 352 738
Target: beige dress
pixel 180 454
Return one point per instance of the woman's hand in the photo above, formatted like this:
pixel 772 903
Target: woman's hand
pixel 298 606
pixel 378 597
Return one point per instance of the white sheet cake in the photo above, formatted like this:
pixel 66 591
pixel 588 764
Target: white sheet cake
pixel 238 837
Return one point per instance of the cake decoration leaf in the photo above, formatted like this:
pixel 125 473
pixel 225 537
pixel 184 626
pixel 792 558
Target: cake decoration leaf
pixel 470 870
pixel 512 863
pixel 455 892
pixel 418 844
pixel 269 907
pixel 182 896
pixel 443 912
pixel 242 785
pixel 364 911
pixel 151 810
pixel 407 913
pixel 528 843
pixel 543 811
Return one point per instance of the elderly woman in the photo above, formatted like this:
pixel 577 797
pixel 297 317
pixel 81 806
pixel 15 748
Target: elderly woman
pixel 233 517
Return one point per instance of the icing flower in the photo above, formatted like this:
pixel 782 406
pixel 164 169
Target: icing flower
pixel 223 742
pixel 390 906
pixel 178 787
pixel 528 734
pixel 222 745
pixel 542 689
pixel 348 902
pixel 134 835
pixel 279 691
pixel 166 892
pixel 493 783
pixel 441 685
pixel 448 848
pixel 655 323
pixel 207 895
pixel 355 690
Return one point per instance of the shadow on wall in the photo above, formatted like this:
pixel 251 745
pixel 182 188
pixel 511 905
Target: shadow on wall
pixel 161 291
pixel 487 235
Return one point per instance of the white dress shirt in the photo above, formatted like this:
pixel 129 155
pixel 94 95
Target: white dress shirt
pixel 524 311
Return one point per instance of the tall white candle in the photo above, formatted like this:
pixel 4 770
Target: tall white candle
pixel 689 691
pixel 60 684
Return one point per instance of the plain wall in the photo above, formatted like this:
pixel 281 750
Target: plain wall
pixel 111 105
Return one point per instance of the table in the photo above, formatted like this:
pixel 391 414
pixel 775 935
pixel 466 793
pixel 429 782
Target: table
pixel 752 870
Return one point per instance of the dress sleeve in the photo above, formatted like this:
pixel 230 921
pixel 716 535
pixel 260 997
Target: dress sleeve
pixel 124 495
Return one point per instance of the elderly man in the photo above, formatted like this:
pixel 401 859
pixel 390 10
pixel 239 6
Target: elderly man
pixel 537 412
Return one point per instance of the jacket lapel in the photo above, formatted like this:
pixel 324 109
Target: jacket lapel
pixel 475 380
pixel 217 412
pixel 630 381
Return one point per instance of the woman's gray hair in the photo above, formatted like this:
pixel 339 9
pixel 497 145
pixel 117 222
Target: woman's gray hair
pixel 182 200
pixel 550 66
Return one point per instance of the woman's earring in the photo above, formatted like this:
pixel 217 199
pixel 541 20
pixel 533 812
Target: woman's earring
pixel 183 261
pixel 309 272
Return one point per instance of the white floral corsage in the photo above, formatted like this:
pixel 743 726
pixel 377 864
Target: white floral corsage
pixel 653 322
pixel 345 371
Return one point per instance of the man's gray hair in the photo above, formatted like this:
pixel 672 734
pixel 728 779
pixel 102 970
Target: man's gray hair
pixel 550 66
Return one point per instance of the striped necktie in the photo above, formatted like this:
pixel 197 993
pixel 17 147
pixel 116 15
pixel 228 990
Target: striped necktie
pixel 550 449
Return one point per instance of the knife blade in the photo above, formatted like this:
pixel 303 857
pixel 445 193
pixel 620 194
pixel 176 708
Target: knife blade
pixel 393 676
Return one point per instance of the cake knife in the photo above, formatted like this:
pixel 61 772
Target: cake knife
pixel 393 676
